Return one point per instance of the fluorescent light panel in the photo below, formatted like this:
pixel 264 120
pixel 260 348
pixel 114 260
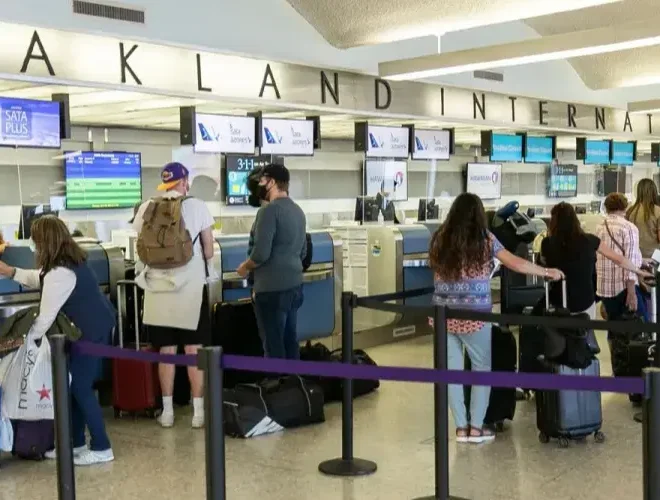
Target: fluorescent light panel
pixel 551 48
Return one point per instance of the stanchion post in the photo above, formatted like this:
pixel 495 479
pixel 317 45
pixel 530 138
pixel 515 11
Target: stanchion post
pixel 347 465
pixel 440 409
pixel 66 479
pixel 639 416
pixel 209 360
pixel 651 434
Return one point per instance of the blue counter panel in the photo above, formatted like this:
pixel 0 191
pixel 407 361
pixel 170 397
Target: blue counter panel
pixel 323 248
pixel 97 260
pixel 415 278
pixel 316 317
pixel 235 294
pixel 416 239
pixel 234 250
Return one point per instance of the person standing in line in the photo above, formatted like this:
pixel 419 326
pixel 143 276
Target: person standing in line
pixel 462 254
pixel 68 285
pixel 276 262
pixel 645 214
pixel 176 309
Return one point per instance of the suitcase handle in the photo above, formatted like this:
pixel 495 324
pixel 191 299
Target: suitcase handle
pixel 121 284
pixel 564 294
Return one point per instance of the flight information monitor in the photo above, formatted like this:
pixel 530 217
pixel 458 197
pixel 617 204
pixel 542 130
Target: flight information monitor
pixel 238 170
pixel 103 180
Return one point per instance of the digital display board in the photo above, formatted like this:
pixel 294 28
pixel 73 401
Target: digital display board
pixel 539 149
pixel 103 180
pixel 238 169
pixel 597 152
pixel 506 148
pixel 29 123
pixel 562 182
pixel 623 153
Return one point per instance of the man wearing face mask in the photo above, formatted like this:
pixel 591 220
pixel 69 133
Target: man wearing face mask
pixel 275 261
pixel 175 307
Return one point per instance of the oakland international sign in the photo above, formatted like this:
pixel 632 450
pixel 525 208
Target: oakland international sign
pixel 80 59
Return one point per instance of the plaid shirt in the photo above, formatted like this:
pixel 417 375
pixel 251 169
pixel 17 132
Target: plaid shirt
pixel 612 278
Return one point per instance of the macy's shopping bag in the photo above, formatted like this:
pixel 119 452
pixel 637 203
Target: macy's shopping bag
pixel 27 385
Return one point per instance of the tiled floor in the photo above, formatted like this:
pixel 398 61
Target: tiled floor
pixel 392 427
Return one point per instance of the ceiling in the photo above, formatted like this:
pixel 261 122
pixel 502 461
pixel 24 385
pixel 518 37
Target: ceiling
pixel 351 23
pixel 103 108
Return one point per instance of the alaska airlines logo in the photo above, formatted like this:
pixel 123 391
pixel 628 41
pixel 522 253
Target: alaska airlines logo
pixel 208 135
pixel 272 138
pixel 298 139
pixel 374 143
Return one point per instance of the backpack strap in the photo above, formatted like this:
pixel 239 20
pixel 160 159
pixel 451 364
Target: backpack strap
pixel 150 211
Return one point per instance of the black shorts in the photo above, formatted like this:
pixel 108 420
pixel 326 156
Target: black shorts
pixel 167 336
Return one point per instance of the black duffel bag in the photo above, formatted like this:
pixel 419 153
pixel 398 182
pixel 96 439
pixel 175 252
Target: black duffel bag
pixel 252 410
pixel 333 387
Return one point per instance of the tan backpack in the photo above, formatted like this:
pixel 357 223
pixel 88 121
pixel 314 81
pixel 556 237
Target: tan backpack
pixel 164 242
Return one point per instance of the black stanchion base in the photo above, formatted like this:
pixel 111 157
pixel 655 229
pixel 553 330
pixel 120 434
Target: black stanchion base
pixel 348 468
pixel 639 417
pixel 438 498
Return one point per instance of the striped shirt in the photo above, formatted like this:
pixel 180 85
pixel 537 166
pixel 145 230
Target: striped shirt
pixel 612 278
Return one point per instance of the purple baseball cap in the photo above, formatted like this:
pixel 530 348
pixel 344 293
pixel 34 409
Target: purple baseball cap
pixel 171 174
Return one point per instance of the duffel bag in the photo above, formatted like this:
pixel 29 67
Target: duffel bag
pixel 360 386
pixel 245 412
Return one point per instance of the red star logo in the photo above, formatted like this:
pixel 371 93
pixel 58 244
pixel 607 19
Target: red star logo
pixel 44 393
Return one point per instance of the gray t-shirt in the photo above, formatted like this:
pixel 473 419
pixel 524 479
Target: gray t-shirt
pixel 279 246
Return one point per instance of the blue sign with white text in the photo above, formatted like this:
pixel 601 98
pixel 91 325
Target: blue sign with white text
pixel 597 152
pixel 506 148
pixel 623 153
pixel 29 123
pixel 538 150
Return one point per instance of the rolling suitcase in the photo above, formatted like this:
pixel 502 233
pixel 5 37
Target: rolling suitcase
pixel 135 384
pixel 567 415
pixel 502 403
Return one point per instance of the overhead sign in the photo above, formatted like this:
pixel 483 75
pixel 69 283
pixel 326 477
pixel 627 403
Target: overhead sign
pixel 597 152
pixel 484 180
pixel 382 142
pixel 224 134
pixel 431 144
pixel 539 149
pixel 506 148
pixel 29 123
pixel 387 177
pixel 623 153
pixel 287 137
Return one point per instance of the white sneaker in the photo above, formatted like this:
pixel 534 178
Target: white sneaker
pixel 166 420
pixel 90 457
pixel 198 421
pixel 52 454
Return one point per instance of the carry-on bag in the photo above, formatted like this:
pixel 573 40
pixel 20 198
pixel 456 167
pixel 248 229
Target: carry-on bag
pixel 135 384
pixel 502 403
pixel 566 415
pixel 32 439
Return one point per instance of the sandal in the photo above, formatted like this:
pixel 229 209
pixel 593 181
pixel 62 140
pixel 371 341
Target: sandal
pixel 481 435
pixel 462 434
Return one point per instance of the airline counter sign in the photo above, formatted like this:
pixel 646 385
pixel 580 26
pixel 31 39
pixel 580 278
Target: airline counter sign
pixel 224 134
pixel 287 137
pixel 431 145
pixel 387 142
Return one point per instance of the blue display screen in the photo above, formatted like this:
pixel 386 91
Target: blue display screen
pixel 539 149
pixel 238 170
pixel 29 123
pixel 623 153
pixel 506 148
pixel 563 181
pixel 597 152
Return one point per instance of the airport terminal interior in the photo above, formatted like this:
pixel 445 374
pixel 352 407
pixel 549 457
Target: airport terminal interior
pixel 382 117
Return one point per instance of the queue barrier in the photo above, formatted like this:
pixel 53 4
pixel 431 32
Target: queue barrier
pixel 212 361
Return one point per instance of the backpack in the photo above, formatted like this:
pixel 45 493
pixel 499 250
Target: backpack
pixel 164 242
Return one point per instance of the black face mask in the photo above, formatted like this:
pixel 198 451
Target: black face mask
pixel 254 200
pixel 262 192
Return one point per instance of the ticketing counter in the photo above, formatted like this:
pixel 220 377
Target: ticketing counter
pixel 106 260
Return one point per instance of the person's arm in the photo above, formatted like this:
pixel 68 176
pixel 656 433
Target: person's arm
pixel 620 260
pixel 206 237
pixel 519 265
pixel 26 277
pixel 631 247
pixel 264 234
pixel 58 286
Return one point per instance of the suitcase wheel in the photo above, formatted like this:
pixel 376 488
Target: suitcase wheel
pixel 544 438
pixel 563 442
pixel 599 437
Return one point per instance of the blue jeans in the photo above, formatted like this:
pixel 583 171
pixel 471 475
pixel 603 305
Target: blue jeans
pixel 479 348
pixel 277 318
pixel 85 408
pixel 616 306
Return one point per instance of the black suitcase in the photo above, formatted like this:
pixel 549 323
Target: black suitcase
pixel 235 330
pixel 567 415
pixel 502 404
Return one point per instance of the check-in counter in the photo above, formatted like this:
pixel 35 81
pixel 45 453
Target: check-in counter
pixel 319 315
pixel 105 260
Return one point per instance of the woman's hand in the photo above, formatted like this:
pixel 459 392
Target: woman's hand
pixel 3 246
pixel 6 270
pixel 554 274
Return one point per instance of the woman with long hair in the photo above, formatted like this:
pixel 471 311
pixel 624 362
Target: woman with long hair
pixel 569 248
pixel 462 257
pixel 645 214
pixel 68 285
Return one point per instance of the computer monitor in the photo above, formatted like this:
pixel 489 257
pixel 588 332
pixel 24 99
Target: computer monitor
pixel 366 209
pixel 427 210
pixel 30 213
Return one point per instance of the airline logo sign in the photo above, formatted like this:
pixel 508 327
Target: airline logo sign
pixel 225 134
pixel 431 145
pixel 387 142
pixel 287 137
pixel 485 180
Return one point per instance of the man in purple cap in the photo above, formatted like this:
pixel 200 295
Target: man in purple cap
pixel 175 309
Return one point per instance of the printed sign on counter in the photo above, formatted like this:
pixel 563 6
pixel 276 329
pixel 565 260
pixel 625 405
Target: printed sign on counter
pixel 224 134
pixel 287 137
pixel 431 144
pixel 485 180
pixel 387 142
